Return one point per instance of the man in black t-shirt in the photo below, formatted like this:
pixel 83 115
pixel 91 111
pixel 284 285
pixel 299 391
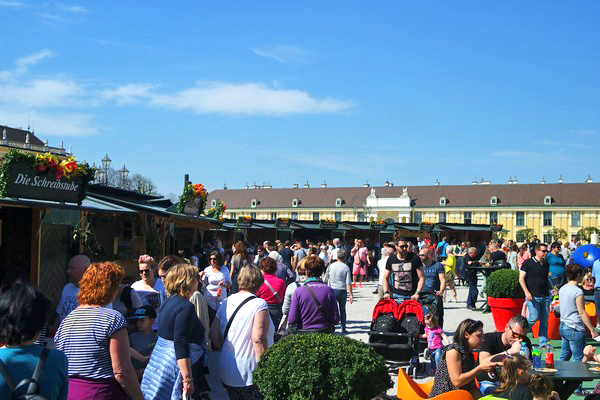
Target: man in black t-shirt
pixel 499 345
pixel 287 254
pixel 534 280
pixel 496 255
pixel 404 268
pixel 471 260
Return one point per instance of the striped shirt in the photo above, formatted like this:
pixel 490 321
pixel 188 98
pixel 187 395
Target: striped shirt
pixel 84 337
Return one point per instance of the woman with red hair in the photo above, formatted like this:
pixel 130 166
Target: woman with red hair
pixel 94 339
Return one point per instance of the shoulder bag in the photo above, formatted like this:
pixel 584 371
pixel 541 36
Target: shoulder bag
pixel 32 384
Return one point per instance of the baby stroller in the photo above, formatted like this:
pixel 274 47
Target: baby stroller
pixel 394 333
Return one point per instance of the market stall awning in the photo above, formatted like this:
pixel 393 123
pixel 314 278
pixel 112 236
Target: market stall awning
pixel 305 225
pixel 408 227
pixel 462 227
pixel 88 204
pixel 358 227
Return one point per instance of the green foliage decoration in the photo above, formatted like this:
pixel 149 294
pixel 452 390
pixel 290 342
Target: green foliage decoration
pixel 586 233
pixel 189 192
pixel 524 234
pixel 504 284
pixel 557 234
pixel 321 366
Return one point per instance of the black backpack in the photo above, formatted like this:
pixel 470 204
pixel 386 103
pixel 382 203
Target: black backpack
pixel 29 388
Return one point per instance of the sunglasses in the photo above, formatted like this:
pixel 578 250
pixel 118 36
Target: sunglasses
pixel 403 246
pixel 422 255
pixel 516 335
pixel 145 271
pixel 212 259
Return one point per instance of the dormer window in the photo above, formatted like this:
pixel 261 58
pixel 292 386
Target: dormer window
pixel 493 200
pixel 443 201
pixel 213 203
pixel 547 200
pixel 253 203
pixel 295 202
pixel 338 202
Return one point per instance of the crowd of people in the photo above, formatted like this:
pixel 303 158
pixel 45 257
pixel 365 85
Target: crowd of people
pixel 114 338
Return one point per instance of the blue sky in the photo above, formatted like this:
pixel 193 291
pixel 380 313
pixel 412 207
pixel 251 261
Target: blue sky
pixel 289 92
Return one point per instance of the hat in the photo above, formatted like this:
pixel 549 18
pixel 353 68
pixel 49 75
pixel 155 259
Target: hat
pixel 274 255
pixel 143 312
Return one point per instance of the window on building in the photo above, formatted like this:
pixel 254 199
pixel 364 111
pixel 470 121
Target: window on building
pixel 547 218
pixel 233 215
pixel 467 217
pixel 295 202
pixel 273 216
pixel 442 216
pixel 443 201
pixel 417 217
pixel 493 217
pixel 213 202
pixel 338 202
pixel 316 216
pixel 253 215
pixel 520 219
pixel 575 218
pixel 547 200
pixel 493 200
pixel 294 215
pixel 253 203
pixel 338 216
pixel 360 216
pixel 520 237
pixel 547 238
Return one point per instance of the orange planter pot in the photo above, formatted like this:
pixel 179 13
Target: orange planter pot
pixel 553 327
pixel 503 310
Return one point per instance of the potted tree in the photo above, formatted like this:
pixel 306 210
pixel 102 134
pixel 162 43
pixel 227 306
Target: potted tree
pixel 505 296
pixel 321 366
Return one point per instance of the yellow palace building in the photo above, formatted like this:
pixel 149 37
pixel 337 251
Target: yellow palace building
pixel 539 207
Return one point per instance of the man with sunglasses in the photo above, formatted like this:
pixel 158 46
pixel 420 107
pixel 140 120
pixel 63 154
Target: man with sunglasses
pixel 534 279
pixel 406 273
pixel 499 345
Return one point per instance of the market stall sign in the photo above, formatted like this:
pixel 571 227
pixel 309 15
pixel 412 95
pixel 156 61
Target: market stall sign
pixel 25 181
pixel 328 224
pixel 244 222
pixel 426 226
pixel 283 223
pixel 496 227
pixel 192 206
pixel 378 225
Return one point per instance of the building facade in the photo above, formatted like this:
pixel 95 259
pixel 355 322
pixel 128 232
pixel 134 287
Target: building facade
pixel 540 207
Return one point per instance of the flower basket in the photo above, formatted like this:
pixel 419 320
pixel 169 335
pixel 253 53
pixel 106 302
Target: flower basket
pixel 44 177
pixel 426 226
pixel 378 225
pixel 283 223
pixel 244 222
pixel 495 227
pixel 217 211
pixel 328 224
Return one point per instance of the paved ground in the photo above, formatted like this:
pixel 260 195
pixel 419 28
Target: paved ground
pixel 360 312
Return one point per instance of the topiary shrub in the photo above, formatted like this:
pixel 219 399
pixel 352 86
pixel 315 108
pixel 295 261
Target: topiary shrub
pixel 321 366
pixel 504 284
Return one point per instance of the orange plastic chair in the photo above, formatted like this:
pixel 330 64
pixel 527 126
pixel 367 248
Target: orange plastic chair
pixel 408 389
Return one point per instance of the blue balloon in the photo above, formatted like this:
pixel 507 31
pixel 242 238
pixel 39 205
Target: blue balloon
pixel 586 255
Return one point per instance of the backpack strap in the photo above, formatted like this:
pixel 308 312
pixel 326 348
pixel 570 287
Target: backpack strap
pixel 277 296
pixel 233 315
pixel 7 377
pixel 319 305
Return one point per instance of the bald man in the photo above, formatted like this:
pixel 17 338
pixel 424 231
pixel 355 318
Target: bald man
pixel 68 299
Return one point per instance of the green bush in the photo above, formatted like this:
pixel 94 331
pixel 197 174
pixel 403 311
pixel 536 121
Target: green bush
pixel 321 366
pixel 504 284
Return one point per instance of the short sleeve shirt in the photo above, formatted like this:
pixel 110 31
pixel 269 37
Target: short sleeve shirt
pixel 432 279
pixel 434 337
pixel 404 273
pixel 536 278
pixel 492 343
pixel 84 337
pixel 68 300
pixel 569 315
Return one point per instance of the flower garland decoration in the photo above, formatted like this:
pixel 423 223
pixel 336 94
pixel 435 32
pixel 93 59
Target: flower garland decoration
pixel 329 220
pixel 191 191
pixel 217 211
pixel 46 163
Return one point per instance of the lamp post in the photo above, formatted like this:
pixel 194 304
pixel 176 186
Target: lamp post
pixel 105 166
pixel 124 172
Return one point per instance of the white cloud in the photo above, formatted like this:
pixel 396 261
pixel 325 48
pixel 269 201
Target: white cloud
pixel 516 154
pixel 71 8
pixel 230 98
pixel 41 93
pixel 22 64
pixel 584 132
pixel 13 4
pixel 285 54
pixel 51 124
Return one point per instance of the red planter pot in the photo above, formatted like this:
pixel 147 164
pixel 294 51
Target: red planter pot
pixel 503 310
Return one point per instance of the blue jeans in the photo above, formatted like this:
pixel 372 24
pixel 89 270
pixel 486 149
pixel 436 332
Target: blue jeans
pixel 341 296
pixel 573 342
pixel 473 291
pixel 436 355
pixel 539 309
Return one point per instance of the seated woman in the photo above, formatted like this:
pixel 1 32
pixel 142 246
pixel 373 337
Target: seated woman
pixel 314 307
pixel 23 312
pixel 514 379
pixel 457 368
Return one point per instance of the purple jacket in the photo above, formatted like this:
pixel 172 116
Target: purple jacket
pixel 304 312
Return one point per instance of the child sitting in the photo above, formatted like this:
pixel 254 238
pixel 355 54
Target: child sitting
pixel 436 339
pixel 514 378
pixel 142 341
pixel 541 388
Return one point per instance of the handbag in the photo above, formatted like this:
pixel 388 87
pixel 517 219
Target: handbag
pixel 31 385
pixel 330 327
